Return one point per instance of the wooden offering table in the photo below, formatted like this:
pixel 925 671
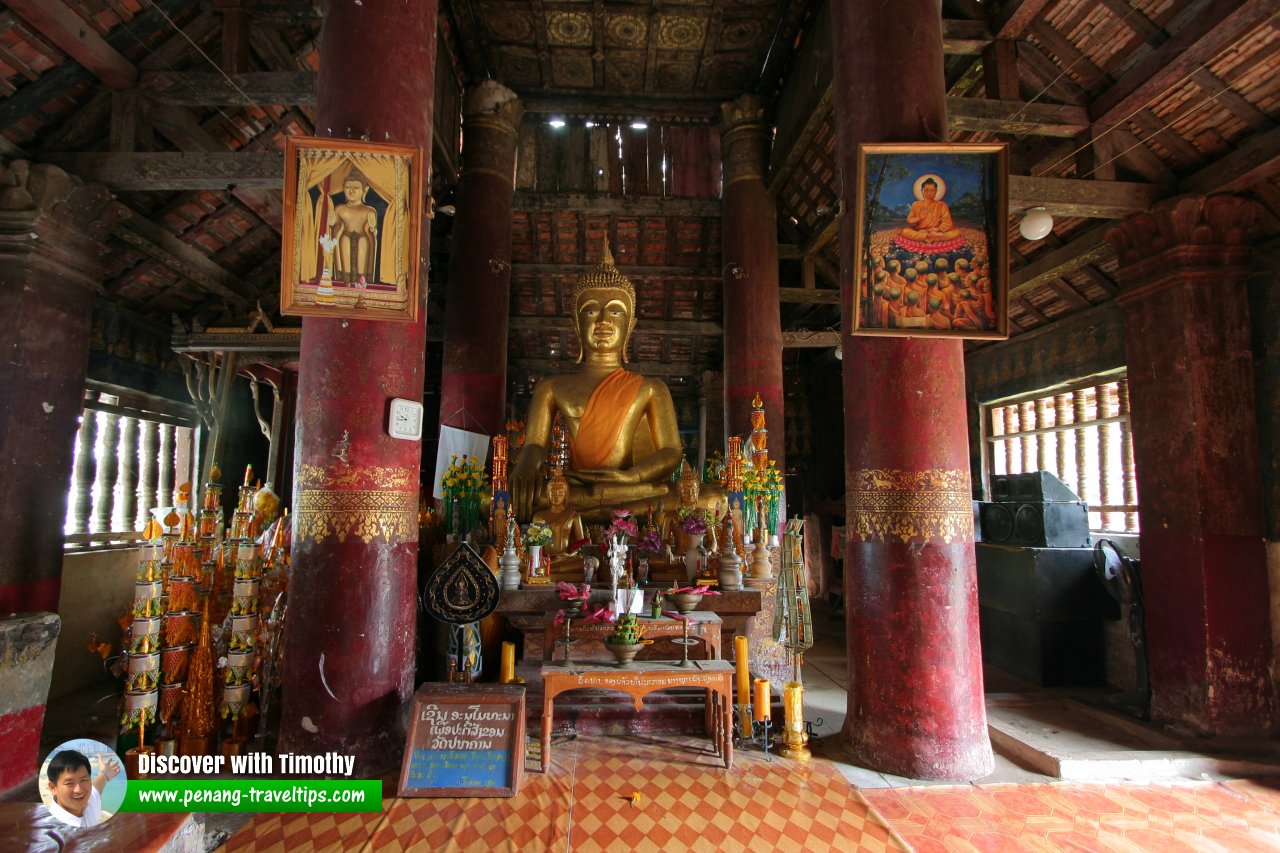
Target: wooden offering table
pixel 640 679
pixel 705 626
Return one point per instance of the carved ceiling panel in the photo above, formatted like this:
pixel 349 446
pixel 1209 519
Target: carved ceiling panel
pixel 569 29
pixel 572 70
pixel 626 31
pixel 676 48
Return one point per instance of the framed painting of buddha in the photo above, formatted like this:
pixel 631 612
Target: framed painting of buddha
pixel 931 245
pixel 352 229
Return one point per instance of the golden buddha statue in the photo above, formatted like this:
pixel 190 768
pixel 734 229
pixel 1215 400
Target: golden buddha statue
pixel 625 441
pixel 565 523
pixel 672 519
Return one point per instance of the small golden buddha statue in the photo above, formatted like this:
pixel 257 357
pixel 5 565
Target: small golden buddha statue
pixel 689 489
pixel 625 440
pixel 565 523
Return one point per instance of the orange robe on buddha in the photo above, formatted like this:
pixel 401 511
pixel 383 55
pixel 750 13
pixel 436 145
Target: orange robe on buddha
pixel 930 216
pixel 602 421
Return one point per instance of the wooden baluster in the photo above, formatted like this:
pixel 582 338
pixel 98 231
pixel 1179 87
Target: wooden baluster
pixel 1079 411
pixel 1061 408
pixel 164 493
pixel 1010 444
pixel 1126 457
pixel 85 472
pixel 108 467
pixel 147 471
pixel 1042 439
pixel 1027 410
pixel 129 474
pixel 1106 454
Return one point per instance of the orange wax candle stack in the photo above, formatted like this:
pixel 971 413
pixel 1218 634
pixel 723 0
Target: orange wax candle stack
pixel 743 665
pixel 760 708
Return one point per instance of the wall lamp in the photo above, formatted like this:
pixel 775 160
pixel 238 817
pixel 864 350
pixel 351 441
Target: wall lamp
pixel 735 270
pixel 498 266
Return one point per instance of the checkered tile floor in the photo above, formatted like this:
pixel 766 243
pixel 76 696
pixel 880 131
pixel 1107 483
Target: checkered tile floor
pixel 687 801
pixel 1207 817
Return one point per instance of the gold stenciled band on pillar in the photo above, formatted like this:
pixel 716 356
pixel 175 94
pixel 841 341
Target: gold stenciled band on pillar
pixel 372 502
pixel 911 505
pixel 366 513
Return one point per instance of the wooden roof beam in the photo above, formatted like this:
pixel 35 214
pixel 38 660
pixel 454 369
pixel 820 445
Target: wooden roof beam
pixel 1074 197
pixel 1016 117
pixel 1014 16
pixel 1256 160
pixel 63 26
pixel 173 171
pixel 1222 24
pixel 182 258
pixel 200 88
pixel 1089 247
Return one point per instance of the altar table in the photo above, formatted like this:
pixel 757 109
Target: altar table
pixel 639 679
pixel 706 626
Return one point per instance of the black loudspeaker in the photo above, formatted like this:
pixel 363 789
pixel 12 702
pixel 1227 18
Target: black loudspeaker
pixel 1060 524
pixel 1035 487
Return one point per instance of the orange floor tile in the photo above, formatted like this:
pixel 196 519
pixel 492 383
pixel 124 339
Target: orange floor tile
pixel 1208 817
pixel 687 802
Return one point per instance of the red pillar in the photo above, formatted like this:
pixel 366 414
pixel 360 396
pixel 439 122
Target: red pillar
pixel 350 634
pixel 1183 272
pixel 474 387
pixel 915 665
pixel 749 241
pixel 52 232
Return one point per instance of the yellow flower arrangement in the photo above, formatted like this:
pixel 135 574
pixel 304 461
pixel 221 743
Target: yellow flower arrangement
pixel 463 484
pixel 763 490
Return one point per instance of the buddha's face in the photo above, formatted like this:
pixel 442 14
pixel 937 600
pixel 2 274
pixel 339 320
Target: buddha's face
pixel 354 191
pixel 929 191
pixel 603 320
pixel 558 492
pixel 689 491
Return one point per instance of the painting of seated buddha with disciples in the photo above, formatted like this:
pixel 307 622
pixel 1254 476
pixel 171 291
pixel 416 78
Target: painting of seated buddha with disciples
pixel 931 241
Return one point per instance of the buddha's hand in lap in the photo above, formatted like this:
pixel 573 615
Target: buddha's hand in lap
pixel 524 487
pixel 591 476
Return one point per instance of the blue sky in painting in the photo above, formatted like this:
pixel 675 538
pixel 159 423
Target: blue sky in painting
pixel 960 179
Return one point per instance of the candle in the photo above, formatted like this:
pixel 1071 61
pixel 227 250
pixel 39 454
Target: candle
pixel 760 707
pixel 793 705
pixel 744 669
pixel 508 671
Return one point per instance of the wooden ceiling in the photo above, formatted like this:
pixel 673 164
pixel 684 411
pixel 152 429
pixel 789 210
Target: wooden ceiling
pixel 1108 106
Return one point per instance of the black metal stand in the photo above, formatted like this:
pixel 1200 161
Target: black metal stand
pixel 759 736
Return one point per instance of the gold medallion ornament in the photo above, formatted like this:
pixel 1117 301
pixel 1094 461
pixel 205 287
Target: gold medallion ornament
pixel 912 506
pixel 366 513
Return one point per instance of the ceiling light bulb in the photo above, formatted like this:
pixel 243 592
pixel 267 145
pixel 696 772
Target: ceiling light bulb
pixel 1036 224
pixel 839 353
pixel 639 124
pixel 556 122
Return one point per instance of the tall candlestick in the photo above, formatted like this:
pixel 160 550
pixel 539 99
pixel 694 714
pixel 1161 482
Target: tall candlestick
pixel 794 736
pixel 760 707
pixel 743 665
pixel 507 673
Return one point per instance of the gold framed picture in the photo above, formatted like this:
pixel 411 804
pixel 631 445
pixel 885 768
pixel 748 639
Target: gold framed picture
pixel 352 229
pixel 931 252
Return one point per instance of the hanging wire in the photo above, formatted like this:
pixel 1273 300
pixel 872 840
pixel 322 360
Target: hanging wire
pixel 249 101
pixel 1157 97
pixel 1064 72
